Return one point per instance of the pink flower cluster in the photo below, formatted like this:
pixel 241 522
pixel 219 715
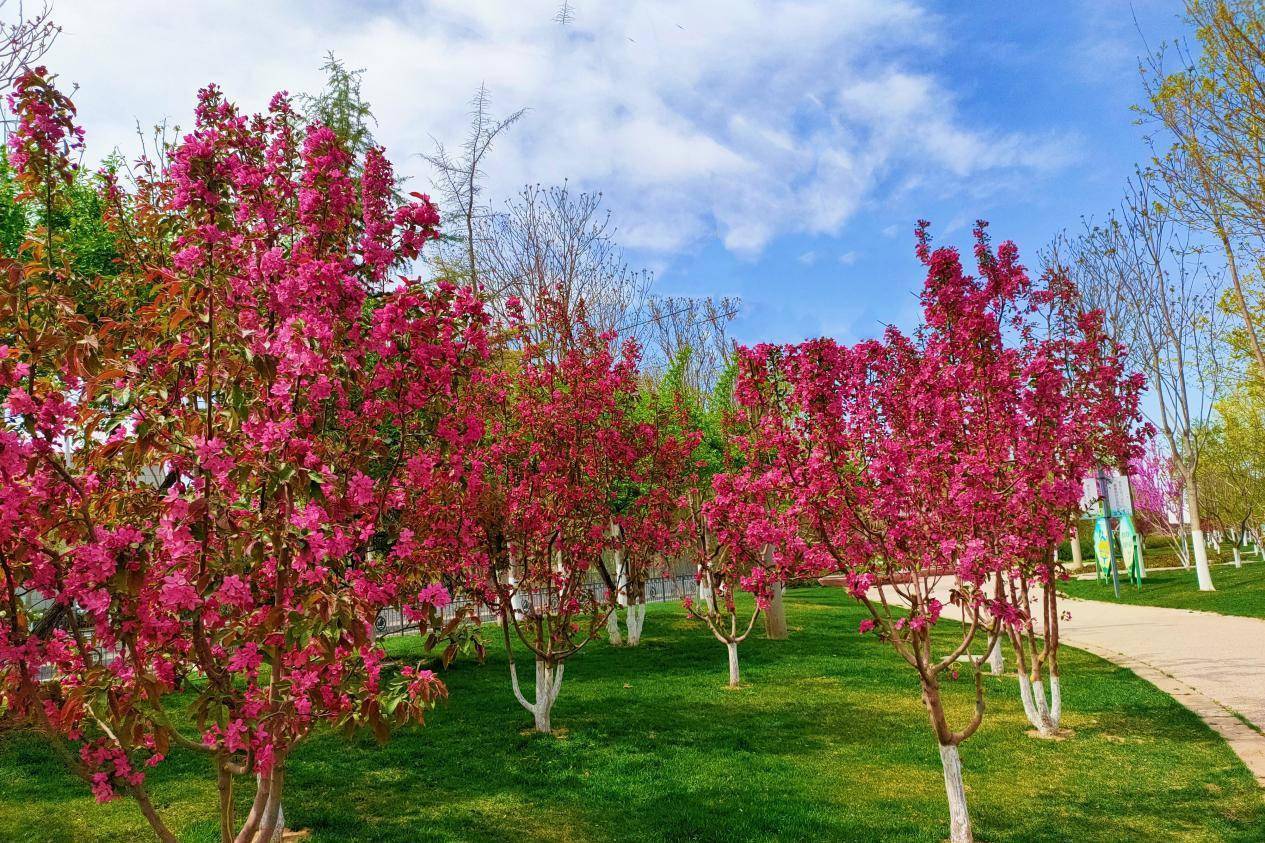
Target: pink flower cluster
pixel 956 452
pixel 276 414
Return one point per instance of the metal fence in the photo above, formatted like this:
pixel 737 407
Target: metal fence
pixel 657 590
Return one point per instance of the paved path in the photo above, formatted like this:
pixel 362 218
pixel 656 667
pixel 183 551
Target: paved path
pixel 1212 664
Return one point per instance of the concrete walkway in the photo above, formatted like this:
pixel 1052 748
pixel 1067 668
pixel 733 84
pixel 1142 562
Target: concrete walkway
pixel 1212 664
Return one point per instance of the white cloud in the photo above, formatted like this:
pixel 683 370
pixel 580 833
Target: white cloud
pixel 808 258
pixel 848 258
pixel 696 118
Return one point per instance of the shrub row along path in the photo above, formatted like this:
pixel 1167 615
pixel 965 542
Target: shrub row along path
pixel 1212 664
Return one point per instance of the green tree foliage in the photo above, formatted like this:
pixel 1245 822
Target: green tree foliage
pixel 1232 470
pixel 341 107
pixel 704 412
pixel 77 222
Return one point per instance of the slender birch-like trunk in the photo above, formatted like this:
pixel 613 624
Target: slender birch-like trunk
pixel 732 646
pixel 1202 571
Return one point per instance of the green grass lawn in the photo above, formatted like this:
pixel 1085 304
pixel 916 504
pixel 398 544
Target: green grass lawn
pixel 1240 591
pixel 827 739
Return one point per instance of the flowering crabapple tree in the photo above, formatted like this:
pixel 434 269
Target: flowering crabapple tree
pixel 904 465
pixel 1100 426
pixel 727 555
pixel 226 522
pixel 1159 497
pixel 559 449
pixel 652 505
pixel 645 515
pixel 732 553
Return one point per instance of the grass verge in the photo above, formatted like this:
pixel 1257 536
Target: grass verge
pixel 826 739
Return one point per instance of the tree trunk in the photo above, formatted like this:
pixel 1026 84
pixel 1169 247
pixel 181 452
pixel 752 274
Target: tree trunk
pixel 612 628
pixel 1197 539
pixel 706 595
pixel 227 825
pixel 733 663
pixel 266 821
pixel 272 825
pixel 1238 557
pixel 548 683
pixel 540 719
pixel 1056 701
pixel 1026 697
pixel 775 616
pixel 996 658
pixel 959 817
pixel 636 615
pixel 151 816
pixel 1077 561
pixel 1042 715
pixel 1045 723
pixel 251 824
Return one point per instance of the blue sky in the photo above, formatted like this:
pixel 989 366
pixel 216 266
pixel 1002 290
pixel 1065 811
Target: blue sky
pixel 778 151
pixel 1061 70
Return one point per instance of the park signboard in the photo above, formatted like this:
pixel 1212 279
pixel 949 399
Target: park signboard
pixel 1119 498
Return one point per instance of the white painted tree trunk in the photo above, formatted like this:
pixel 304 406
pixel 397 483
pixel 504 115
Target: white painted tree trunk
pixel 706 595
pixel 274 817
pixel 1202 571
pixel 1075 544
pixel 1025 696
pixel 265 811
pixel 959 817
pixel 775 615
pixel 1056 702
pixel 1197 540
pixel 1039 702
pixel 1042 715
pixel 636 616
pixel 540 719
pixel 612 628
pixel 518 601
pixel 1238 557
pixel 996 658
pixel 548 683
pixel 733 663
pixel 279 831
